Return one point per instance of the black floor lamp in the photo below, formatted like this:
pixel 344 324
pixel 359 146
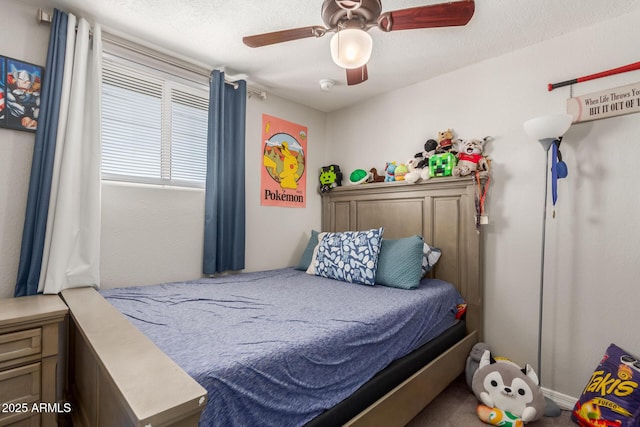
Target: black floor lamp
pixel 547 130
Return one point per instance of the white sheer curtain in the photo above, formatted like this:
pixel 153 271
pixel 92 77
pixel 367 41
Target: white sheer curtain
pixel 72 242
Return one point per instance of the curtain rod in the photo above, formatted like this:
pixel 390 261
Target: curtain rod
pixel 44 17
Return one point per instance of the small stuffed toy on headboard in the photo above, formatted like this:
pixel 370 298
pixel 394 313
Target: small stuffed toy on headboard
pixel 330 177
pixel 510 394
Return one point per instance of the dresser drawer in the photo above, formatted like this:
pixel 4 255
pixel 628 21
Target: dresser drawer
pixel 20 347
pixel 19 388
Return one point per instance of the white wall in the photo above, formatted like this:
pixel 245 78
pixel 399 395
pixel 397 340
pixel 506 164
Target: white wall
pixel 21 39
pixel 592 256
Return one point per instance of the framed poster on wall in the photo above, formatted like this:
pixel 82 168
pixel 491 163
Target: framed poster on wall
pixel 283 178
pixel 20 85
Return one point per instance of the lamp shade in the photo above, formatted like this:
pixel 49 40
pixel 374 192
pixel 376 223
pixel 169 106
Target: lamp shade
pixel 351 47
pixel 547 128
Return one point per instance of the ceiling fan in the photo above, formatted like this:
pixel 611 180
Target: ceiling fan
pixel 351 20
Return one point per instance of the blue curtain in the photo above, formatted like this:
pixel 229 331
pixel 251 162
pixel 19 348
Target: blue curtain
pixel 35 221
pixel 224 227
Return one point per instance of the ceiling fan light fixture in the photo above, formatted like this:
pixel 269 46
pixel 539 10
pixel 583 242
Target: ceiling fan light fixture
pixel 351 47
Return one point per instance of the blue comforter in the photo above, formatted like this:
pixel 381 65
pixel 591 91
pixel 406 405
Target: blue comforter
pixel 280 347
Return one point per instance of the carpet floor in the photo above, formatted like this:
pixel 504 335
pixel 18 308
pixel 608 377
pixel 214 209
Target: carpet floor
pixel 456 407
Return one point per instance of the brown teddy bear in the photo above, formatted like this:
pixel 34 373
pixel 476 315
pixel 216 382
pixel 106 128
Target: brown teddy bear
pixel 445 142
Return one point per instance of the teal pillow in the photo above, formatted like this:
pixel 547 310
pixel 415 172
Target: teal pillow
pixel 305 259
pixel 400 262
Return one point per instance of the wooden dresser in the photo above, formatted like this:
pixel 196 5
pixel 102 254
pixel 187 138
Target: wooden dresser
pixel 30 329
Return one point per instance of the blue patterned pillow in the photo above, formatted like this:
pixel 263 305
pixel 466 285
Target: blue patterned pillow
pixel 350 256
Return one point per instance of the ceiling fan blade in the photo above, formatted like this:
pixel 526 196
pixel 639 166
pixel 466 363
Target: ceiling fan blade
pixel 435 15
pixel 357 75
pixel 266 39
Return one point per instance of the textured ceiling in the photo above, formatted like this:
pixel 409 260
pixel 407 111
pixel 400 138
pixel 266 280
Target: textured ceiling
pixel 211 31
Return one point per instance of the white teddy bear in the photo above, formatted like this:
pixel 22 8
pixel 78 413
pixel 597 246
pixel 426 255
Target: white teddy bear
pixel 415 172
pixel 470 158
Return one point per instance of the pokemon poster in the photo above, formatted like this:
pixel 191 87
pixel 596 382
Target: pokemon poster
pixel 284 160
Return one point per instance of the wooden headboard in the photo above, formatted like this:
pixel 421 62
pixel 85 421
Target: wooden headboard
pixel 442 210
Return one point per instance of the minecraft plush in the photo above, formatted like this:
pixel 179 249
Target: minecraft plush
pixel 442 164
pixel 510 396
pixel 330 177
pixel 470 158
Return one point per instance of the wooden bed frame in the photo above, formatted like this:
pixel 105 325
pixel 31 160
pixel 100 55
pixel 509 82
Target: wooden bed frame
pixel 119 377
pixel 443 211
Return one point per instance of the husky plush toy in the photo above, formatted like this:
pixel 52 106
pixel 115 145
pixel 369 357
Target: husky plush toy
pixel 512 395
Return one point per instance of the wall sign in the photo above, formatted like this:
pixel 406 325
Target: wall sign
pixel 283 179
pixel 606 103
pixel 20 84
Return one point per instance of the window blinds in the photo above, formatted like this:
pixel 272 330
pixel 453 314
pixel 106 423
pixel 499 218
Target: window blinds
pixel 154 127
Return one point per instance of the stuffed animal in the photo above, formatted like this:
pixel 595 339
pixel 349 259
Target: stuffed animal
pixel 330 177
pixel 470 158
pixel 389 170
pixel 415 173
pixel 374 175
pixel 473 361
pixel 442 164
pixel 508 392
pixel 360 176
pixel 418 166
pixel 400 172
pixel 445 142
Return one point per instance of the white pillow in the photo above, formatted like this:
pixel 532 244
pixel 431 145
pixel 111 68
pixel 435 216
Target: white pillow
pixel 430 257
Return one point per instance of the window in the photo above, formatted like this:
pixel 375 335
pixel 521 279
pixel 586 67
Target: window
pixel 154 125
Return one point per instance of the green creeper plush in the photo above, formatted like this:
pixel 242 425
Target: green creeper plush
pixel 442 164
